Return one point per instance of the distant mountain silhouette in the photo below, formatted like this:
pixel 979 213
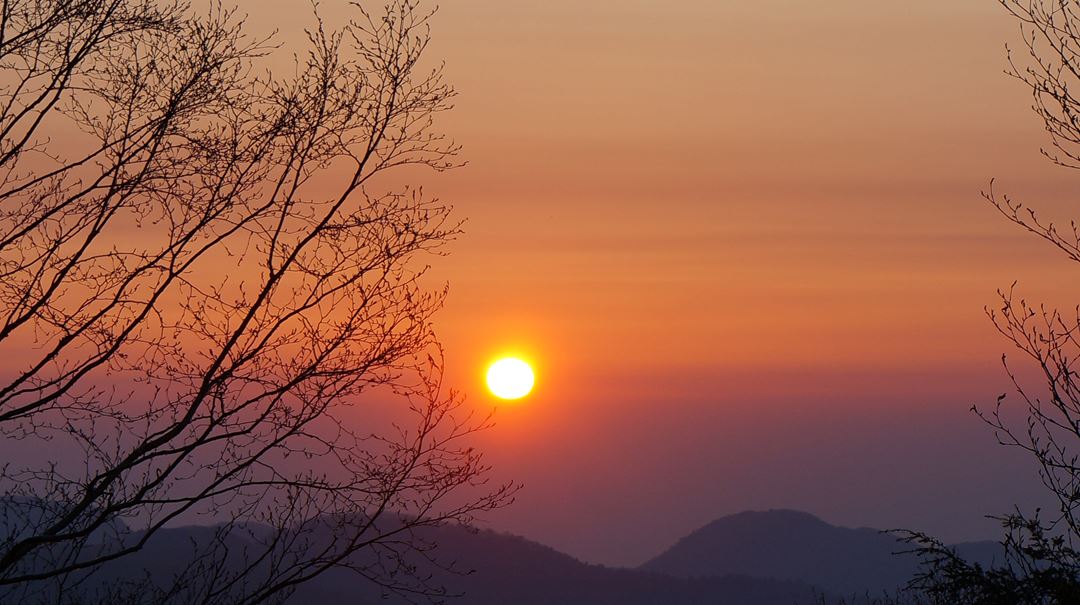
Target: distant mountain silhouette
pixel 512 570
pixel 797 546
pixel 752 558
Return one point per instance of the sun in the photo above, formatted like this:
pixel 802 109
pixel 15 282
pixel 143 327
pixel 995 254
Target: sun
pixel 510 378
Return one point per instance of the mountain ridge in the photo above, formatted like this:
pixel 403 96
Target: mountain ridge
pixel 775 557
pixel 797 546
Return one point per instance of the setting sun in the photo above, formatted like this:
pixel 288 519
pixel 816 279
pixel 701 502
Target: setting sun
pixel 510 378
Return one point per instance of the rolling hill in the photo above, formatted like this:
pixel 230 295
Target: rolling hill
pixel 778 557
pixel 797 546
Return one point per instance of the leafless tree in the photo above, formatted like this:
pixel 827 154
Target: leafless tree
pixel 1041 561
pixel 202 268
pixel 1047 336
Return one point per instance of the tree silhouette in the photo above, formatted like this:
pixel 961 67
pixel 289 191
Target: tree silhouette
pixel 1041 564
pixel 201 269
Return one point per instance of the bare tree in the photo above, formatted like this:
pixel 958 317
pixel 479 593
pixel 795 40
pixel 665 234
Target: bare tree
pixel 1041 561
pixel 201 270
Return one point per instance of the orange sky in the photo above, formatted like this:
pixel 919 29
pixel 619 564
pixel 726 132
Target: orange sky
pixel 745 244
pixel 659 187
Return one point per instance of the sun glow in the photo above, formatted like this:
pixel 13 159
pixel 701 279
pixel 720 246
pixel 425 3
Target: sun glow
pixel 510 378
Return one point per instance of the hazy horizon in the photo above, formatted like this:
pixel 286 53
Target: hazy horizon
pixel 744 248
pixel 747 246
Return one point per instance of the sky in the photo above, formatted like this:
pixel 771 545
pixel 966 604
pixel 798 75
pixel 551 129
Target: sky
pixel 744 245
